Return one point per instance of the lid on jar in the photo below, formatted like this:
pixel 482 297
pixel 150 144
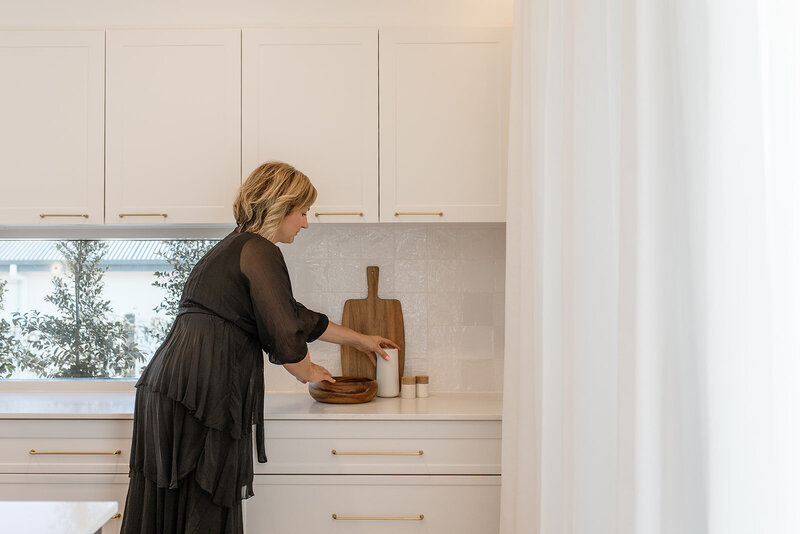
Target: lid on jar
pixel 422 379
pixel 408 380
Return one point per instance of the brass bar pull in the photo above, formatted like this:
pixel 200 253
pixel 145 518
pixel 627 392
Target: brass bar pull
pixel 116 452
pixel 336 517
pixel 340 453
pixel 318 213
pixel 116 516
pixel 84 215
pixel 121 215
pixel 439 213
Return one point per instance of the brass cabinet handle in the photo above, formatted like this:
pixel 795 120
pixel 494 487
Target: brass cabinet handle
pixel 84 215
pixel 116 516
pixel 121 215
pixel 439 213
pixel 318 213
pixel 336 517
pixel 340 453
pixel 116 452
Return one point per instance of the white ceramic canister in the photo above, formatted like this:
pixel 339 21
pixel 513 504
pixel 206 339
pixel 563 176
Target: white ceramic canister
pixel 408 388
pixel 422 386
pixel 388 374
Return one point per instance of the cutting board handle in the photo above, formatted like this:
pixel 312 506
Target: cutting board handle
pixel 372 282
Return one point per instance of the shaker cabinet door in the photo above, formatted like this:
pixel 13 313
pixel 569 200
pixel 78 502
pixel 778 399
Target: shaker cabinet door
pixel 444 97
pixel 310 98
pixel 173 126
pixel 51 127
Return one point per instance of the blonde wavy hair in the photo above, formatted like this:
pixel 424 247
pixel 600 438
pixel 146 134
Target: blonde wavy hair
pixel 271 192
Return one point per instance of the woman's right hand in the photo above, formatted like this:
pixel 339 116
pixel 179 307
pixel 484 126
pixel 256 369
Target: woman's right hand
pixel 318 374
pixel 307 371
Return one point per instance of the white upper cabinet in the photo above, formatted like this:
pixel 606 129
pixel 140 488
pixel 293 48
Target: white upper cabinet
pixel 444 97
pixel 310 98
pixel 51 127
pixel 173 129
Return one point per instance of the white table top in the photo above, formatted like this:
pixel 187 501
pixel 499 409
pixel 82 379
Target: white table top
pixel 54 517
pixel 101 405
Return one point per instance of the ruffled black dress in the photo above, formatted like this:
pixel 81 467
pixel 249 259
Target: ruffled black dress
pixel 203 391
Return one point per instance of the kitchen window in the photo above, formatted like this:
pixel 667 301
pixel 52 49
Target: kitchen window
pixel 89 308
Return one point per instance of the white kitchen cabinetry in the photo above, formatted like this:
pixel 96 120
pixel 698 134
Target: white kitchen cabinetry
pixel 448 447
pixel 51 127
pixel 172 126
pixel 374 504
pixel 444 97
pixel 433 461
pixel 310 98
pixel 392 475
pixel 65 460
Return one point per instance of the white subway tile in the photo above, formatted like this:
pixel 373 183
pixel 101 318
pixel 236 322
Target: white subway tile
pixel 499 309
pixel 378 241
pixel 410 242
pixel 416 341
pixel 347 276
pixel 410 276
pixel 443 242
pixel 477 376
pixel 478 309
pixel 445 309
pixel 344 242
pixel 415 308
pixel 311 243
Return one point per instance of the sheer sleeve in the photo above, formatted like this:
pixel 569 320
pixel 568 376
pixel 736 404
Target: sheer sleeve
pixel 284 325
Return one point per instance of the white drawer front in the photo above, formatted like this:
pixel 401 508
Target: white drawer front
pixel 305 503
pixel 382 447
pixel 68 488
pixel 50 446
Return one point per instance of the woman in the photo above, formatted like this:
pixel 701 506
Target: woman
pixel 197 401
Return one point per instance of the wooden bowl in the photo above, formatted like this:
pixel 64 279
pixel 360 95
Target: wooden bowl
pixel 346 390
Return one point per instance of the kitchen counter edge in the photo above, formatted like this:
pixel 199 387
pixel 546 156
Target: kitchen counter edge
pixel 278 406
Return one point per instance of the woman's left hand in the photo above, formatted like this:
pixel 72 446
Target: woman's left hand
pixel 370 345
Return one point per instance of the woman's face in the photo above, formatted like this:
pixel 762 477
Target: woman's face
pixel 291 225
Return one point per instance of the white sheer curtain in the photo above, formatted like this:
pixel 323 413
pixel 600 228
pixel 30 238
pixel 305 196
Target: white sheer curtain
pixel 652 380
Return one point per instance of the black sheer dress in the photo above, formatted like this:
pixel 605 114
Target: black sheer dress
pixel 203 391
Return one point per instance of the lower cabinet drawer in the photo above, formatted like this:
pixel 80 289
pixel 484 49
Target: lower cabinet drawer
pixel 68 488
pixel 356 504
pixel 65 446
pixel 382 447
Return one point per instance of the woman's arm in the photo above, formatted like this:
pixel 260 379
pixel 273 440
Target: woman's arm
pixel 336 333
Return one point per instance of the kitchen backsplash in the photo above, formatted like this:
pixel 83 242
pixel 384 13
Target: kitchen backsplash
pixel 448 277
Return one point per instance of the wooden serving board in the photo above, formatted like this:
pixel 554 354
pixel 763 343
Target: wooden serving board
pixel 375 316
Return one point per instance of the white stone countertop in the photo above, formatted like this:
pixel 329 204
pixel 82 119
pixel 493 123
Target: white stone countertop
pixel 55 517
pixel 104 405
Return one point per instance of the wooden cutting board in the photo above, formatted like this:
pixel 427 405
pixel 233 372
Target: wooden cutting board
pixel 375 316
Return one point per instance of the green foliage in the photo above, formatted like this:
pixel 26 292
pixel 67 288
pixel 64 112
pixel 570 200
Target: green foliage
pixel 9 345
pixel 83 339
pixel 181 256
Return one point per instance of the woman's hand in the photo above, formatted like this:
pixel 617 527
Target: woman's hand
pixel 318 374
pixel 307 371
pixel 370 345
